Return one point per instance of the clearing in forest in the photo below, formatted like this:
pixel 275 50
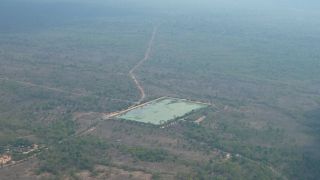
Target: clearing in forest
pixel 161 110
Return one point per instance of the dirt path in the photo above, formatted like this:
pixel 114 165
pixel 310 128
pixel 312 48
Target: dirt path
pixel 146 57
pixel 200 119
pixel 29 84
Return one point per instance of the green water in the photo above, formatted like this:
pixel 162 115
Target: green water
pixel 162 110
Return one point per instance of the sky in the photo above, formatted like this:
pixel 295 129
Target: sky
pixel 33 12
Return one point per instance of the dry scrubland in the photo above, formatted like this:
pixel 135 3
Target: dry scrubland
pixel 62 79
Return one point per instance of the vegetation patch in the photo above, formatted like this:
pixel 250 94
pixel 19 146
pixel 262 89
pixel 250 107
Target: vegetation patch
pixel 80 153
pixel 147 154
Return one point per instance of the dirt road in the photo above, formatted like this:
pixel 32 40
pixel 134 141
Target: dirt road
pixel 29 84
pixel 145 58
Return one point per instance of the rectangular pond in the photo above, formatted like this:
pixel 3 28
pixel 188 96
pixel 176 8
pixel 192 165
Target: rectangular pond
pixel 161 110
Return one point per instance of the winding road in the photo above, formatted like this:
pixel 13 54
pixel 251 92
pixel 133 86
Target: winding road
pixel 145 58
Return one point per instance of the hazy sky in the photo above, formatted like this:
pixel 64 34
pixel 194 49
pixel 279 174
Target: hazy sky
pixel 33 12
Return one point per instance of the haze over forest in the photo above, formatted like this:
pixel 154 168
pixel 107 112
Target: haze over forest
pixel 71 69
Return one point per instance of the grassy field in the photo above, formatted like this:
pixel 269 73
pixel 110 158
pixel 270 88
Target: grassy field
pixel 161 110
